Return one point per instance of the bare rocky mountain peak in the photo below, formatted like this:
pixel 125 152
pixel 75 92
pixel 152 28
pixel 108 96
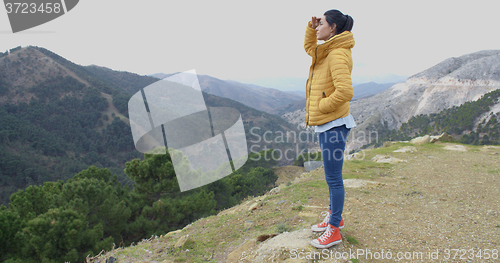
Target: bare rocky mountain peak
pixel 482 65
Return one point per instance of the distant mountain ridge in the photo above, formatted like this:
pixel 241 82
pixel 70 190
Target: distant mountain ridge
pixel 482 65
pixel 297 108
pixel 262 98
pixel 369 89
pixel 298 83
pixel 360 90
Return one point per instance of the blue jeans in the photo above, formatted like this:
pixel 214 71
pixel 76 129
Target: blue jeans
pixel 332 143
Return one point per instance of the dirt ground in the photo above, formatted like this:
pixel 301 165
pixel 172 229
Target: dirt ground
pixel 440 203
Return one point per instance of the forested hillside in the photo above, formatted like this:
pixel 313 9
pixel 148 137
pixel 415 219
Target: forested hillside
pixel 458 121
pixel 58 118
pixel 55 122
pixel 67 221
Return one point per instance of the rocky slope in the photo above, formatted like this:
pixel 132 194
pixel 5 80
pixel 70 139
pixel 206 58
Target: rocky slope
pixel 434 200
pixel 447 84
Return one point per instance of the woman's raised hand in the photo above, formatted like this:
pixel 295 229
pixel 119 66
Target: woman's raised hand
pixel 315 22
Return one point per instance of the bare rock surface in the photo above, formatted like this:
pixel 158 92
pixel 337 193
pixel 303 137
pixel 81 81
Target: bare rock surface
pixel 406 149
pixel 382 158
pixel 456 147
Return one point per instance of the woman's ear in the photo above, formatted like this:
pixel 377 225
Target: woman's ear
pixel 333 32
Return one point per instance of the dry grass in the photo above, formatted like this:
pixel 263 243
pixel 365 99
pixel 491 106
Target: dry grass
pixel 437 200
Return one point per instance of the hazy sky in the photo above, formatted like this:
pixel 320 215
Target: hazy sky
pixel 244 40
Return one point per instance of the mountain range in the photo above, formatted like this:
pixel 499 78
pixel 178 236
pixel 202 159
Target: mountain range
pixel 58 118
pixel 270 100
pixel 257 97
pixel 297 84
pixel 295 111
pixel 450 83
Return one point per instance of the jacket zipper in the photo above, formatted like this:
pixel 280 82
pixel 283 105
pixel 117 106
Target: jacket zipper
pixel 310 85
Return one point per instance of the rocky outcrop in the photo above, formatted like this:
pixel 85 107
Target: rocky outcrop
pixel 444 137
pixel 421 140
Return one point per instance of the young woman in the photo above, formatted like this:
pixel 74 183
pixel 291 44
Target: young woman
pixel 329 90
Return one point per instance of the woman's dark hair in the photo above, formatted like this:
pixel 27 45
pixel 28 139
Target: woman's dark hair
pixel 344 22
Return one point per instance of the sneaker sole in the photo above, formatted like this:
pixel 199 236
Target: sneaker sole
pixel 321 229
pixel 317 245
pixel 318 229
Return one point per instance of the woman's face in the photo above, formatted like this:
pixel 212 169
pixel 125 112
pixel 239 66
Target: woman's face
pixel 324 31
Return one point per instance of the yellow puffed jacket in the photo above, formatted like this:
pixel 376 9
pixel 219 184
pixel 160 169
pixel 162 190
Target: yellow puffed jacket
pixel 329 86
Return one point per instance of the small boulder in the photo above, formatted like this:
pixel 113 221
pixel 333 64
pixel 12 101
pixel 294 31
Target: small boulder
pixel 253 206
pixel 421 140
pixel 274 191
pixel 444 137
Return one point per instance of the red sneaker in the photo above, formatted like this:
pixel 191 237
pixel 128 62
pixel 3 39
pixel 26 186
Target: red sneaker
pixel 322 226
pixel 330 238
